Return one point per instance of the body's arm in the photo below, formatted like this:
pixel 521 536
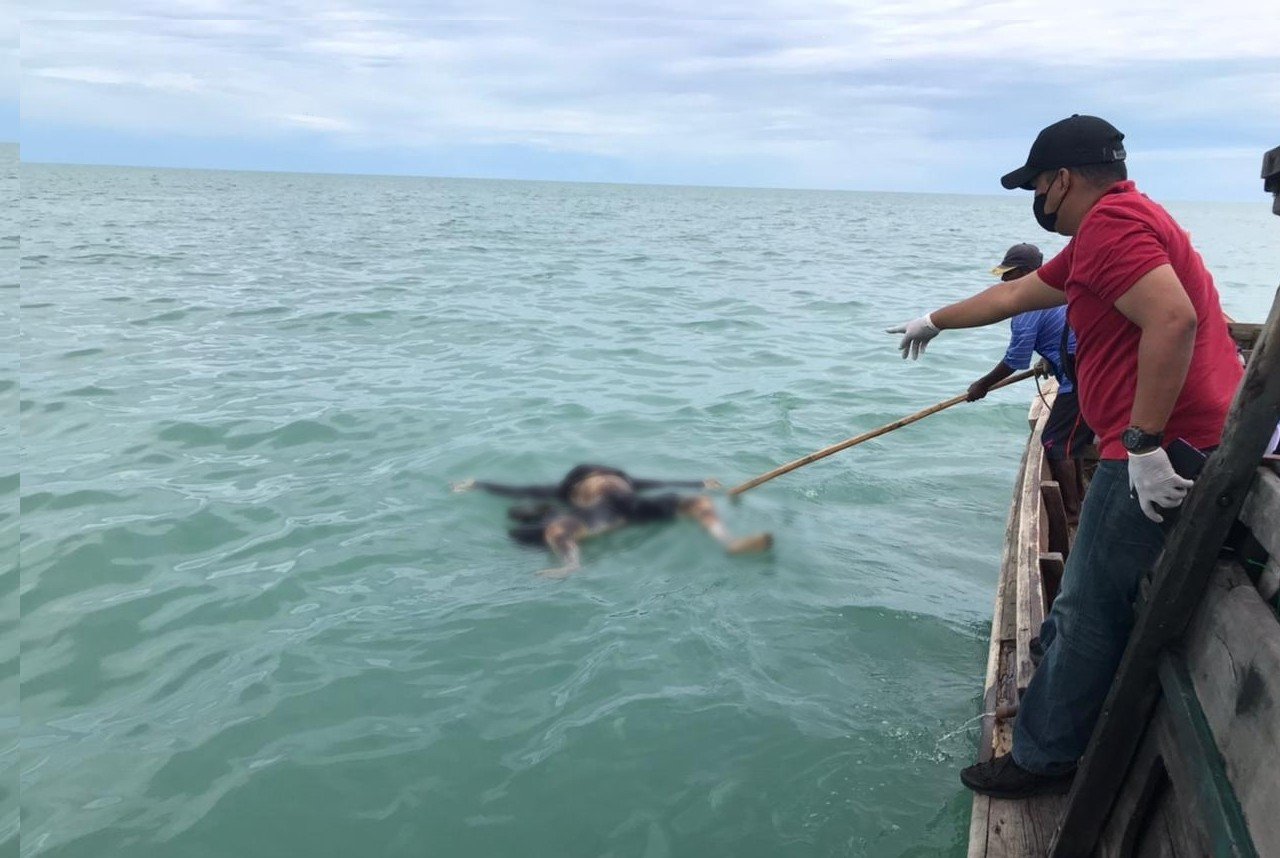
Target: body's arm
pixel 999 302
pixel 1158 304
pixel 982 386
pixel 644 485
pixel 544 492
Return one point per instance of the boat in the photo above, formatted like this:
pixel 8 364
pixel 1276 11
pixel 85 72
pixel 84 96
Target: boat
pixel 1185 758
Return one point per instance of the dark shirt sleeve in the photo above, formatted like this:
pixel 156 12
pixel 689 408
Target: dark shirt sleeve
pixel 545 492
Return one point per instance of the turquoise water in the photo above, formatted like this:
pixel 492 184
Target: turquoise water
pixel 255 621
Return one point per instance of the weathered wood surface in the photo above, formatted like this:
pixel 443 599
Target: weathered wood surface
pixel 1233 652
pixel 1001 828
pixel 1179 580
pixel 1163 833
pixel 1023 828
pixel 1261 511
pixel 1030 605
pixel 1057 537
pixel 1244 333
pixel 1001 642
pixel 1042 402
pixel 1192 835
pixel 1269 580
pixel 1128 818
pixel 1052 565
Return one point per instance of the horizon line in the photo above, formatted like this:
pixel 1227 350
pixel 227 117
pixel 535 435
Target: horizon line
pixel 406 175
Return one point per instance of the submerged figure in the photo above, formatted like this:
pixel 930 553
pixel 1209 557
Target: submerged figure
pixel 594 499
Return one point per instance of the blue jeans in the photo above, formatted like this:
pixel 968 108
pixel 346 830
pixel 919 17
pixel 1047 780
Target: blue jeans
pixel 1085 634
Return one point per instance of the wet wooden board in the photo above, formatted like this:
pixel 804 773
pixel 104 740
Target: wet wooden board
pixel 1261 511
pixel 1233 653
pixel 1030 605
pixel 1001 828
pixel 994 734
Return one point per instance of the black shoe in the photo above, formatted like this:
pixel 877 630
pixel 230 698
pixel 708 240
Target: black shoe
pixel 1003 778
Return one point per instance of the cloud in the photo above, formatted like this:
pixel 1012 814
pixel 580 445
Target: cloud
pixel 928 95
pixel 318 123
pixel 8 58
pixel 153 80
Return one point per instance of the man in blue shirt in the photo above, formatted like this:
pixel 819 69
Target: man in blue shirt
pixel 1046 333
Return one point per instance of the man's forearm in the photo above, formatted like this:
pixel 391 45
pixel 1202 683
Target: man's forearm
pixel 987 307
pixel 1164 354
pixel 999 302
pixel 1000 373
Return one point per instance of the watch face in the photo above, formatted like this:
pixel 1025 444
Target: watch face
pixel 1135 439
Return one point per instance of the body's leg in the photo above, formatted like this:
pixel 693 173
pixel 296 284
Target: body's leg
pixel 702 510
pixel 562 536
pixel 1088 625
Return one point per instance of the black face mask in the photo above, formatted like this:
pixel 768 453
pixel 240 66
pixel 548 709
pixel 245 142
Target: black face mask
pixel 1046 220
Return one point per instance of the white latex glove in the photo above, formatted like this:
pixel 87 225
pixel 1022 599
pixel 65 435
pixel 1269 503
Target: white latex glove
pixel 1153 480
pixel 915 336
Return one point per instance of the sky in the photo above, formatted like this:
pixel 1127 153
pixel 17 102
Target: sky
pixel 930 95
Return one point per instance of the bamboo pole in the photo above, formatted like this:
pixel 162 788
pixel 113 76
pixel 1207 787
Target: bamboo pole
pixel 867 436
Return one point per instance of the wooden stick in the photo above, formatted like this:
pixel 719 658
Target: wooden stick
pixel 867 436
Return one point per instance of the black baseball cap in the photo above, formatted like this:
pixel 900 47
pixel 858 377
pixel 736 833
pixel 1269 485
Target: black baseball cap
pixel 1072 142
pixel 1025 256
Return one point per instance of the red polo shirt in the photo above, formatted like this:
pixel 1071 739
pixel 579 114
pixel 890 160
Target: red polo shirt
pixel 1123 237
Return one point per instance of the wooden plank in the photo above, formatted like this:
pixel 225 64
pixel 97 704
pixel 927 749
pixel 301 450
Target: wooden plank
pixel 1001 828
pixel 1134 803
pixel 1190 830
pixel 1162 834
pixel 1013 829
pixel 1269 580
pixel 979 818
pixel 1030 605
pixel 1181 574
pixel 1261 511
pixel 1023 827
pixel 1244 333
pixel 1058 538
pixel 1042 402
pixel 1001 614
pixel 1208 808
pixel 1051 568
pixel 1233 651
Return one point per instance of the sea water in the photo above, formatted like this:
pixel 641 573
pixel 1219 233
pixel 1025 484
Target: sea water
pixel 255 621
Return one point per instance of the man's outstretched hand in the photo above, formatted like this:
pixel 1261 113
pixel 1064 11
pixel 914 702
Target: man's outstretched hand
pixel 462 486
pixel 915 336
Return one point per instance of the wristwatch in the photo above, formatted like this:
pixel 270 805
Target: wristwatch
pixel 1136 440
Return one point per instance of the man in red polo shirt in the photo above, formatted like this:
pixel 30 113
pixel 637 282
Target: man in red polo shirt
pixel 1156 365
